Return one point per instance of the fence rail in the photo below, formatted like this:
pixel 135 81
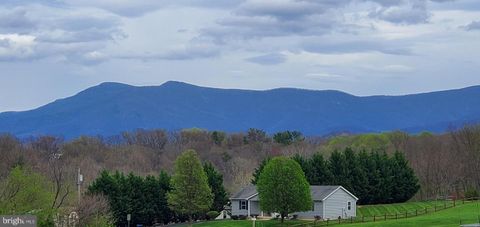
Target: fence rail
pixel 408 214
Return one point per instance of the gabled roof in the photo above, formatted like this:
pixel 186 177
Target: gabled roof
pixel 319 192
pixel 246 192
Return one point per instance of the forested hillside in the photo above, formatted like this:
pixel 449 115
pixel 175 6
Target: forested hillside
pixel 445 164
pixel 112 108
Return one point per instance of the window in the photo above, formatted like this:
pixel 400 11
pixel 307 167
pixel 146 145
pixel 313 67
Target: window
pixel 313 206
pixel 349 205
pixel 243 205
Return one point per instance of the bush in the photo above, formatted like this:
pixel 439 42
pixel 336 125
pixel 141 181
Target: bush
pixel 212 215
pixel 242 217
pixel 294 217
pixel 234 217
pixel 471 193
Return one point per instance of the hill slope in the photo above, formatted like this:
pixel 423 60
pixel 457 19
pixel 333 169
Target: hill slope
pixel 110 108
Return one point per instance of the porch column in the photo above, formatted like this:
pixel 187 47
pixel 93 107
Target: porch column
pixel 248 210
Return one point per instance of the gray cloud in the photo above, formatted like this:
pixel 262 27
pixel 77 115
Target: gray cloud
pixel 268 59
pixel 474 25
pixel 412 12
pixel 355 46
pixel 55 31
pixel 15 20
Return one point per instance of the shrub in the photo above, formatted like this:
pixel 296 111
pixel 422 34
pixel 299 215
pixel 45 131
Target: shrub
pixel 242 217
pixel 294 217
pixel 212 215
pixel 471 193
pixel 234 217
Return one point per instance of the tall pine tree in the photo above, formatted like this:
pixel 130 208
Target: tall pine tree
pixel 215 181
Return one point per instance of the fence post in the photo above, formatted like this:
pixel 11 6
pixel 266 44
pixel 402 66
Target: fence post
pixel 351 219
pixel 363 218
pixel 385 216
pixel 396 216
pixel 416 212
pixel 373 218
pixel 406 214
pixel 426 210
pixel 454 203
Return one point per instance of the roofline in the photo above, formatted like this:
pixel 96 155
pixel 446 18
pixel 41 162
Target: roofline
pixel 247 198
pixel 339 187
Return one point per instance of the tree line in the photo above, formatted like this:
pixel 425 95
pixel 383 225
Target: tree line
pixel 446 165
pixel 374 177
pixel 190 193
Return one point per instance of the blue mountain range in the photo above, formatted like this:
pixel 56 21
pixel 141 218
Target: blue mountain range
pixel 110 108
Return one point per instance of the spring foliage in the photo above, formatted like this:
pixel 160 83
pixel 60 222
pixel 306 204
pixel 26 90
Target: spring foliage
pixel 282 187
pixel 374 177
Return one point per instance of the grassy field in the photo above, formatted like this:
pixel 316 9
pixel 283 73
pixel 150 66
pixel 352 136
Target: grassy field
pixel 462 213
pixel 401 208
pixel 467 213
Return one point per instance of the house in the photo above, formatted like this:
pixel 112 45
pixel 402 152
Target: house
pixel 330 202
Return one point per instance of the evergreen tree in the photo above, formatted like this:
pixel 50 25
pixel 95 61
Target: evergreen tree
pixel 304 164
pixel 215 181
pixel 357 176
pixel 319 173
pixel 405 182
pixel 257 171
pixel 338 168
pixel 288 137
pixel 282 187
pixel 190 192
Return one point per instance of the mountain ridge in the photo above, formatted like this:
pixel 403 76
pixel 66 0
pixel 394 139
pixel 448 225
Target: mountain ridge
pixel 110 108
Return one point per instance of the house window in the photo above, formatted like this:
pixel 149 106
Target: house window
pixel 313 206
pixel 349 205
pixel 243 205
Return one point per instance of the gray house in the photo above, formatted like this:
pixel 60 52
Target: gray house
pixel 329 202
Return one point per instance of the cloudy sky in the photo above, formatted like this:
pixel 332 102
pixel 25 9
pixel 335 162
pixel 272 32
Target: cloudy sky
pixel 51 49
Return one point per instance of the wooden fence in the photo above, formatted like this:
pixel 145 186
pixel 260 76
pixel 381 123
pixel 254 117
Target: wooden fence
pixel 408 214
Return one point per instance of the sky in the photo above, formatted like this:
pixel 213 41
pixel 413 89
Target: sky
pixel 51 49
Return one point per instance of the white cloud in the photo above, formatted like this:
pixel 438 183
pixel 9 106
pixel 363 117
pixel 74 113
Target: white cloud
pixel 15 46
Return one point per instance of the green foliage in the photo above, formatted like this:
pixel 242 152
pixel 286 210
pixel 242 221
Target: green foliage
pixel 215 181
pixel 257 171
pixel 288 137
pixel 218 137
pixel 374 142
pixel 282 187
pixel 373 177
pixel 212 214
pixel 256 136
pixel 471 193
pixel 26 192
pixel 190 192
pixel 143 198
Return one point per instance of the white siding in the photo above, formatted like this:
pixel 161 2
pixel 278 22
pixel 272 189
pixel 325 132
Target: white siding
pixel 336 205
pixel 236 210
pixel 254 208
pixel 317 211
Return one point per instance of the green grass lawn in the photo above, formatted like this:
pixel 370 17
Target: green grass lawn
pixel 248 223
pixel 400 208
pixel 465 213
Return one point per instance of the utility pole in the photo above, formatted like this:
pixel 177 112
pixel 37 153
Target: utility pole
pixel 79 184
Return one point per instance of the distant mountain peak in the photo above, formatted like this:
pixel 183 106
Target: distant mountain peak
pixel 110 108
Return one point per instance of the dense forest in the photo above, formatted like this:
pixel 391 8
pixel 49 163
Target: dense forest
pixel 445 164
